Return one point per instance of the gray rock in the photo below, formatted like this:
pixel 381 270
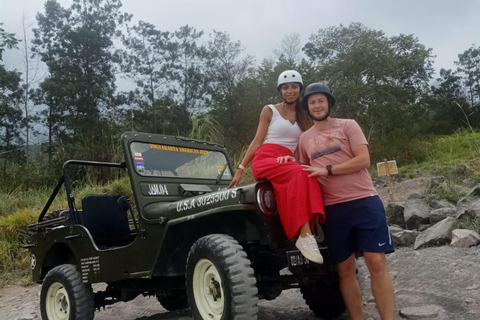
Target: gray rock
pixel 475 191
pixel 439 204
pixel 416 213
pixel 423 312
pixel 439 234
pixel 464 238
pixel 395 210
pixel 460 190
pixel 436 182
pixel 414 196
pixel 468 207
pixel 403 238
pixel 461 169
pixel 470 182
pixel 380 183
pixel 423 227
pixel 442 213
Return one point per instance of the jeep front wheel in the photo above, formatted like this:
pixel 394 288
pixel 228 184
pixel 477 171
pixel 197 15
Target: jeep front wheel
pixel 64 296
pixel 221 284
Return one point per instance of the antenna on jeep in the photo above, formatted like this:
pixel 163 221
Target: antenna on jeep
pixel 221 173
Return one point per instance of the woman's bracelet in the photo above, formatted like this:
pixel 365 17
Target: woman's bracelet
pixel 241 166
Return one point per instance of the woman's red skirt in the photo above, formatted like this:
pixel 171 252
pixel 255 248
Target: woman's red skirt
pixel 299 199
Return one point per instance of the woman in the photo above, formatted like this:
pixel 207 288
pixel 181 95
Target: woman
pixel 278 131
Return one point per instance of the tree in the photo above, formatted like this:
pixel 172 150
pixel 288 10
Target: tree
pixel 469 66
pixel 11 116
pixel 289 49
pixel 442 104
pixel 376 80
pixel 77 45
pixel 30 77
pixel 144 61
pixel 187 61
pixel 10 96
pixel 231 92
pixel 7 41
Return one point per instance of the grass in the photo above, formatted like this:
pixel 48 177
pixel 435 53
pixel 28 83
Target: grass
pixel 14 260
pixel 12 202
pixel 469 223
pixel 21 208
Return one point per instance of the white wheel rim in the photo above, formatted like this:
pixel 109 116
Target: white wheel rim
pixel 57 303
pixel 204 274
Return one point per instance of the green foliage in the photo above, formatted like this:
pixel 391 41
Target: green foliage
pixel 376 80
pixel 205 127
pixel 7 40
pixel 469 223
pixel 17 200
pixel 468 64
pixel 21 208
pixel 11 92
pixel 14 260
pixel 79 91
pixel 205 86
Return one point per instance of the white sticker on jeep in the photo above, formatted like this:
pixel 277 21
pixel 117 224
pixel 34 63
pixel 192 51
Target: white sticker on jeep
pixel 156 189
pixel 206 200
pixel 33 261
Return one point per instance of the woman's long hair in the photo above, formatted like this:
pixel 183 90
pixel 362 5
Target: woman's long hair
pixel 303 120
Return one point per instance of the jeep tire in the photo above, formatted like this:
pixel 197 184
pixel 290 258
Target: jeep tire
pixel 324 299
pixel 65 297
pixel 220 282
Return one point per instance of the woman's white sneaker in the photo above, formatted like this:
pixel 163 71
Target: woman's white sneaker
pixel 309 248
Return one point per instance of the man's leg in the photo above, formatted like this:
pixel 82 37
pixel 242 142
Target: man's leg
pixel 382 286
pixel 350 289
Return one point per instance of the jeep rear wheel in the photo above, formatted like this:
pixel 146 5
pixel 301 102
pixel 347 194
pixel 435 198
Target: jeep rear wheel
pixel 324 299
pixel 221 284
pixel 64 296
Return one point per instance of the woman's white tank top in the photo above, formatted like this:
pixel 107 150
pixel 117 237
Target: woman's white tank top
pixel 281 131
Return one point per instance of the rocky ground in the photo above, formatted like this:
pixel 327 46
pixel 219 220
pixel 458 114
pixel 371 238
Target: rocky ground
pixel 433 283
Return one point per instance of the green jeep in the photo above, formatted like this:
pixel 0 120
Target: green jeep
pixel 186 239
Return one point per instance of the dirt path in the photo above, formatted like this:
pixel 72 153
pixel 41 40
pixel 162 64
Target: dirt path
pixel 447 278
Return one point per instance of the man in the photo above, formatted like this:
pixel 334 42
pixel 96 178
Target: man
pixel 337 153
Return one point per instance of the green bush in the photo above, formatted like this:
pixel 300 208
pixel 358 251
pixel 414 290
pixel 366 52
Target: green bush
pixel 14 260
pixel 11 202
pixel 469 223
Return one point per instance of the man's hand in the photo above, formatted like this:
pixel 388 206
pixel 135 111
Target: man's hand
pixel 315 171
pixel 236 179
pixel 285 159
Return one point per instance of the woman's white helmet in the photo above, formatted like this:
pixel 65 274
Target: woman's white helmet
pixel 289 76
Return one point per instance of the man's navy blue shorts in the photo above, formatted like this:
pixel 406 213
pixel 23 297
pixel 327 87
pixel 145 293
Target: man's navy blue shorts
pixel 357 225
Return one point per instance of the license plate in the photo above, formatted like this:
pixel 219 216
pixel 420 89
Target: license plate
pixel 295 259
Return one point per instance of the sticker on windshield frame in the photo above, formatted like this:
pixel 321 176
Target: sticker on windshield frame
pixel 220 169
pixel 177 149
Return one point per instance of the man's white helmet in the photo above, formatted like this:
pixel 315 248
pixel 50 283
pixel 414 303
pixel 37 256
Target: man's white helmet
pixel 289 76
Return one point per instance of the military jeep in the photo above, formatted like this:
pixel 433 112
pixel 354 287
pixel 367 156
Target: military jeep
pixel 185 238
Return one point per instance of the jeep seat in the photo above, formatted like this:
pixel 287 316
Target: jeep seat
pixel 106 219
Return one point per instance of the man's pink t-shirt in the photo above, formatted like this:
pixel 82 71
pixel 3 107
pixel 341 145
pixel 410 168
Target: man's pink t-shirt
pixel 332 146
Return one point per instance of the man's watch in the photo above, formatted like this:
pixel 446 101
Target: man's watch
pixel 329 170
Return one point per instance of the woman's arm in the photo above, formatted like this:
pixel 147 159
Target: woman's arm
pixel 263 123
